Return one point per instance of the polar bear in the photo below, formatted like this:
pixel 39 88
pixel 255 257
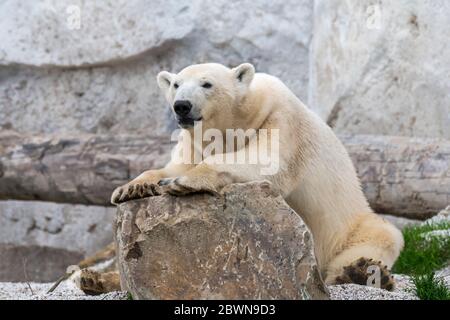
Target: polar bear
pixel 315 174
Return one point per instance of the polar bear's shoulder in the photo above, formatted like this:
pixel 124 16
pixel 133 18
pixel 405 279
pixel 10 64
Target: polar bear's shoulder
pixel 265 79
pixel 265 85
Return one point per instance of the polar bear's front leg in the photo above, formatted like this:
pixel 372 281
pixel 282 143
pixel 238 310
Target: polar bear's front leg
pixel 215 172
pixel 202 178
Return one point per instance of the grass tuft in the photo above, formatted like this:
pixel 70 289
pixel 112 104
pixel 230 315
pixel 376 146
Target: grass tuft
pixel 421 257
pixel 428 287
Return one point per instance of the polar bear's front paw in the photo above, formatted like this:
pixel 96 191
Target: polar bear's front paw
pixel 134 190
pixel 365 272
pixel 181 186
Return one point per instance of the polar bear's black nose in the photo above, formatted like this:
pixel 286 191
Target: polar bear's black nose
pixel 182 107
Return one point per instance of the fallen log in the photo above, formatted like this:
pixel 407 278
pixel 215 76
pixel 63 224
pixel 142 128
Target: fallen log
pixel 401 176
pixel 74 169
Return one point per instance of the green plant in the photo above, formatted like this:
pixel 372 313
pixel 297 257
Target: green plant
pixel 422 256
pixel 428 287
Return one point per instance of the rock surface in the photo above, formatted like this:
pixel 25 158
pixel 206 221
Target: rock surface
pixel 400 222
pixel 442 217
pixel 444 274
pixel 441 221
pixel 34 263
pixel 47 33
pixel 39 240
pixel 245 243
pixel 101 77
pixel 407 177
pixel 382 67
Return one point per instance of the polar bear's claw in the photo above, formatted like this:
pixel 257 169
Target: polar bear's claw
pixel 133 191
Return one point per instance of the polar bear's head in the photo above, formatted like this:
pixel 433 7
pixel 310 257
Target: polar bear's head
pixel 206 92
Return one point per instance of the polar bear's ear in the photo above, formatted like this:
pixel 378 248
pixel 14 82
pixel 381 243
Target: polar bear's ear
pixel 244 73
pixel 164 79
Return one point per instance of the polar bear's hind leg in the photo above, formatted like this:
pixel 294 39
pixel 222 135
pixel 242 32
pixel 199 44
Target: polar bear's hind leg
pixel 368 254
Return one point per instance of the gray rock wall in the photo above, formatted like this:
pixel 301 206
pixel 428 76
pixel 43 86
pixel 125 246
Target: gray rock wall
pixel 100 77
pixel 382 67
pixel 375 67
pixel 80 228
pixel 39 240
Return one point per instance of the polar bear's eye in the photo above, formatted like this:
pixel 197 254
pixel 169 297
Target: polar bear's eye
pixel 207 85
pixel 175 85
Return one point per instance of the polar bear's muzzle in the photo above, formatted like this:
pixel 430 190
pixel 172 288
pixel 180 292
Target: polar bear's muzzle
pixel 182 109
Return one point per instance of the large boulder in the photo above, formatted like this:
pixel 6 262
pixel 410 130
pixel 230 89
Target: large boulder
pixel 382 67
pixel 245 243
pixel 99 75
